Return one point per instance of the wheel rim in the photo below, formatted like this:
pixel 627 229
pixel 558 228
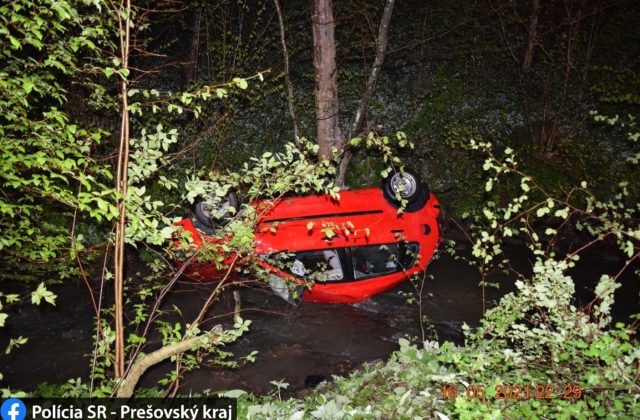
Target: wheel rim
pixel 404 184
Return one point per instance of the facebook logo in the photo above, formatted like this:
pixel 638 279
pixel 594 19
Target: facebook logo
pixel 13 409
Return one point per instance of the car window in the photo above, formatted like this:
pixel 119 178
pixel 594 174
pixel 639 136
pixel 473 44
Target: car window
pixel 377 260
pixel 331 265
pixel 321 265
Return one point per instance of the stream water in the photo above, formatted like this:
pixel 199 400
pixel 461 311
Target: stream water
pixel 299 345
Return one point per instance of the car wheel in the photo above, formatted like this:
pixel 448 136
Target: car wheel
pixel 219 215
pixel 409 187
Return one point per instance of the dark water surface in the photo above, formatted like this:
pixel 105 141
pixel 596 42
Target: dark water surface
pixel 300 345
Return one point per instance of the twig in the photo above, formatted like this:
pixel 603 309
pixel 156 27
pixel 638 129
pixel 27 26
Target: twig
pixel 287 78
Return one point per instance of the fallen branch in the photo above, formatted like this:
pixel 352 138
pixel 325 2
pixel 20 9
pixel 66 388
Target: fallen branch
pixel 141 366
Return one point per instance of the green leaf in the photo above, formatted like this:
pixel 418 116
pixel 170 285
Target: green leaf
pixel 27 85
pixel 14 42
pixel 221 93
pixel 135 339
pixel 167 232
pixel 241 83
pixel 629 248
pixel 329 233
pixel 562 213
pixel 14 343
pixel 42 293
pixel 542 211
pixel 489 185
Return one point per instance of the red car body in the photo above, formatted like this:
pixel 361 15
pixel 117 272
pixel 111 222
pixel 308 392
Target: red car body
pixel 365 227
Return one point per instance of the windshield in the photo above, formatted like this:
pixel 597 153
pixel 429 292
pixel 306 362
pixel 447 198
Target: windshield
pixel 376 260
pixel 346 264
pixel 323 265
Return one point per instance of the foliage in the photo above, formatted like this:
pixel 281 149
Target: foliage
pixel 536 353
pixel 420 380
pixel 46 151
pixel 50 181
pixel 450 76
pixel 8 299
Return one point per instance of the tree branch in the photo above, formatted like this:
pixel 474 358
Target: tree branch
pixel 287 78
pixel 381 52
pixel 532 41
pixel 141 366
pixel 363 107
pixel 121 188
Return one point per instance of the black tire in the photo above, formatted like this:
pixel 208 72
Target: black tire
pixel 202 211
pixel 414 191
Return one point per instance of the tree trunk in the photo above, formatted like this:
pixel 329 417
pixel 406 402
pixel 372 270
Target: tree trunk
pixel 192 69
pixel 121 188
pixel 326 85
pixel 532 42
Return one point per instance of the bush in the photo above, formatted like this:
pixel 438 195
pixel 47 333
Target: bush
pixel 536 353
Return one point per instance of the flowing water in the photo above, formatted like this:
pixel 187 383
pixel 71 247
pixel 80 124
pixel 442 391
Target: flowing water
pixel 301 346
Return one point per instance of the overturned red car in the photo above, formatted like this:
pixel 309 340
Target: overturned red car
pixel 352 248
